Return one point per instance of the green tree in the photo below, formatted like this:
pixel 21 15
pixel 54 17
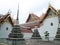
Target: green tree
pixel 46 35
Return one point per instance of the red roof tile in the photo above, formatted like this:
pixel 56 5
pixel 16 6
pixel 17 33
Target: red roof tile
pixel 25 30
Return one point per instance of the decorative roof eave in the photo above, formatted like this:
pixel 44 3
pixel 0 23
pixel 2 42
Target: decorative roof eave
pixel 58 12
pixel 46 14
pixel 2 20
pixel 10 20
pixel 32 24
pixel 50 7
pixel 53 9
pixel 28 18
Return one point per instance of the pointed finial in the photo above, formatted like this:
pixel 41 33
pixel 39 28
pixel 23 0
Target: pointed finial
pixel 50 5
pixel 9 12
pixel 17 14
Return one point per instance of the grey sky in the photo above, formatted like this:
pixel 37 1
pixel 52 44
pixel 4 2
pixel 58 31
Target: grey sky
pixel 26 6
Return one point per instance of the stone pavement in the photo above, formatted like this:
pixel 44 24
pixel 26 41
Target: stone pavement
pixel 33 42
pixel 42 43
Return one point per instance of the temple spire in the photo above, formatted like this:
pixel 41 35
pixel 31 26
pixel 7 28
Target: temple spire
pixel 17 15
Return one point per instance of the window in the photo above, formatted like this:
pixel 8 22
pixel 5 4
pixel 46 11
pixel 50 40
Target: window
pixel 51 24
pixel 6 28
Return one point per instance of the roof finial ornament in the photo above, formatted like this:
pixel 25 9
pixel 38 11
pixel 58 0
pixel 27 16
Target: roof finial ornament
pixel 50 5
pixel 9 12
pixel 17 15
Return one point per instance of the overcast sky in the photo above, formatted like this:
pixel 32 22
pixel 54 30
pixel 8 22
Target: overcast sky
pixel 26 6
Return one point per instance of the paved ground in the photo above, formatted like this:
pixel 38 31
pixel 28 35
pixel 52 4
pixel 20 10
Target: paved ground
pixel 37 43
pixel 48 43
pixel 43 43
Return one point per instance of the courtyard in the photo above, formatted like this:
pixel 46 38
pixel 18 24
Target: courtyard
pixel 29 42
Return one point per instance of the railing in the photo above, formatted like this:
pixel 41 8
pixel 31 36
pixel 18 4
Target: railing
pixel 4 41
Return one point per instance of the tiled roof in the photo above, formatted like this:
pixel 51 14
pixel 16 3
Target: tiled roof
pixel 31 24
pixel 25 30
pixel 46 14
pixel 32 17
pixel 50 6
pixel 38 21
pixel 8 17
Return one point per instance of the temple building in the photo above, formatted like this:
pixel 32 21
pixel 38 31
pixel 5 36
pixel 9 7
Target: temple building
pixel 49 21
pixel 46 22
pixel 6 25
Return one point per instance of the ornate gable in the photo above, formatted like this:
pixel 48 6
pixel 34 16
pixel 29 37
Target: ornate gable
pixel 51 12
pixel 32 17
pixel 6 18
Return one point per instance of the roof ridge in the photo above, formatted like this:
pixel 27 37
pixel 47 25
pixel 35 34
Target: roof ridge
pixel 51 7
pixel 33 16
pixel 4 17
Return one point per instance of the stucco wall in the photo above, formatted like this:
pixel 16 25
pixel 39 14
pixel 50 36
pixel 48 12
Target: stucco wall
pixel 59 25
pixel 3 32
pixel 27 35
pixel 47 27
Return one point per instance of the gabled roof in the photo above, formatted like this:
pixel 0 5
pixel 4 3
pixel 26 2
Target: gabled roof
pixel 32 17
pixel 31 24
pixel 51 7
pixel 58 12
pixel 39 20
pixel 46 14
pixel 6 17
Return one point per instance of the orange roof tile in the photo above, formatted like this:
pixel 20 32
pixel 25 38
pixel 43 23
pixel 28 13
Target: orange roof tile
pixel 32 17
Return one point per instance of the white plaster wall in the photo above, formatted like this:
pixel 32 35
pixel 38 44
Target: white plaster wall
pixel 27 35
pixel 47 27
pixel 3 32
pixel 59 25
